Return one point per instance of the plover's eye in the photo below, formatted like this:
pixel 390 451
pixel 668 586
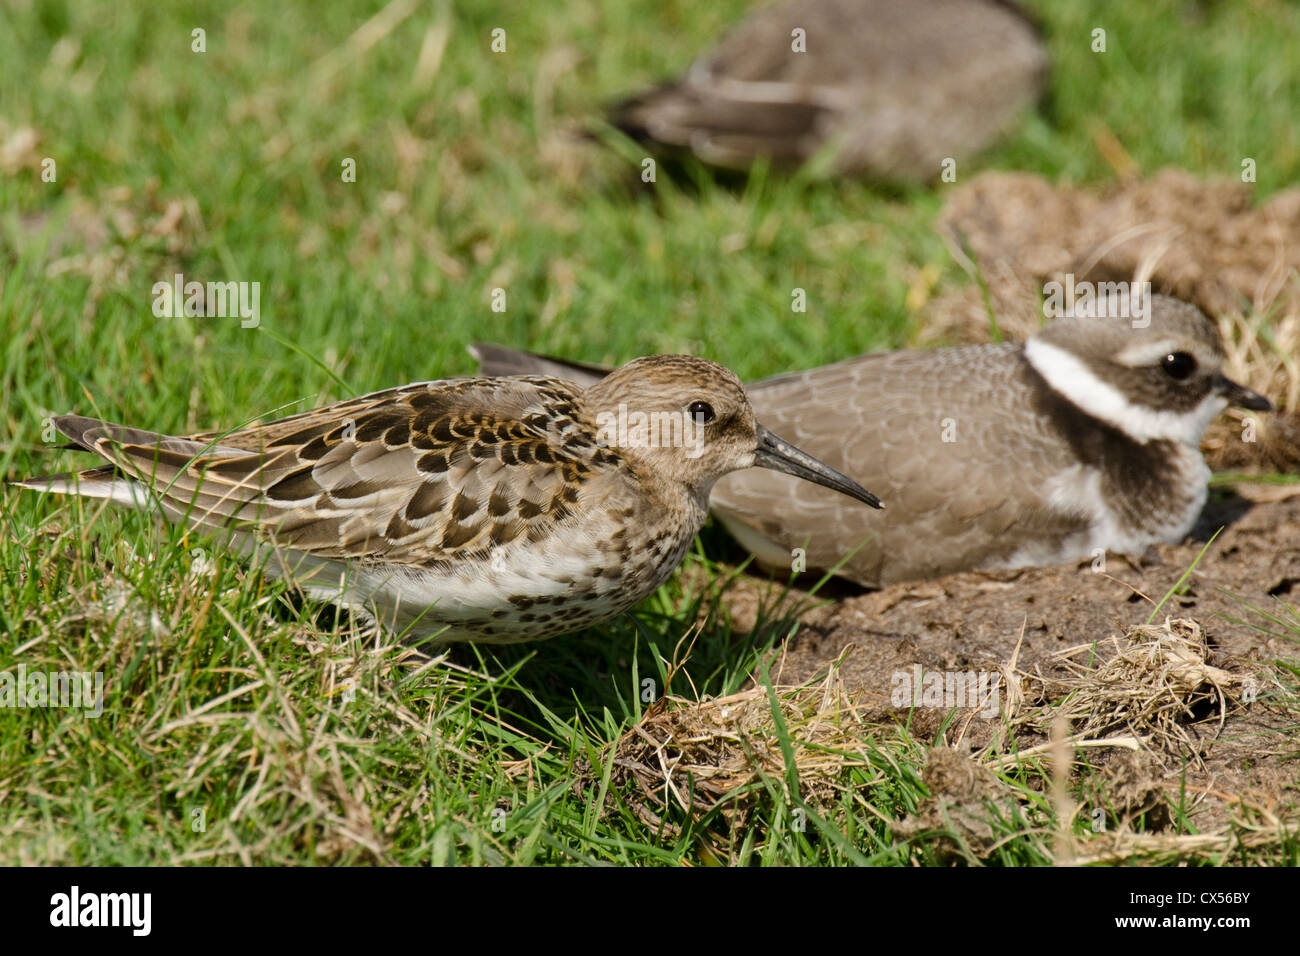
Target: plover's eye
pixel 702 412
pixel 1179 365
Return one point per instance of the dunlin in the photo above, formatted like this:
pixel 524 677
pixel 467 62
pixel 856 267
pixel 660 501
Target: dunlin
pixel 890 88
pixel 1083 440
pixel 494 510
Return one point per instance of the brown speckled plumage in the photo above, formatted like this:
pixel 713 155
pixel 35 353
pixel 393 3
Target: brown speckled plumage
pixel 483 509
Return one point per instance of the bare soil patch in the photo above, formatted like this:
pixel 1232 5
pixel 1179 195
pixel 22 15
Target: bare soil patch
pixel 1185 720
pixel 980 622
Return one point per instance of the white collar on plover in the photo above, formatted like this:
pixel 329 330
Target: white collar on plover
pixel 1161 382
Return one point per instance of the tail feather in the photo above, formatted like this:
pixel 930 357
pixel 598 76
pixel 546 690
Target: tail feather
pixel 106 482
pixel 75 427
pixel 137 459
pixel 93 434
pixel 721 129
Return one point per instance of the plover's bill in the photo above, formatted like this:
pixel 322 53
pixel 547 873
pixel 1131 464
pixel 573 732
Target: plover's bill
pixel 890 88
pixel 992 456
pixel 495 510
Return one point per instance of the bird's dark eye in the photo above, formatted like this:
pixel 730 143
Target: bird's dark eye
pixel 701 411
pixel 1178 365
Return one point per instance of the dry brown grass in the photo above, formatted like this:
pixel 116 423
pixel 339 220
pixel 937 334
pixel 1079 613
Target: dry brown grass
pixel 1143 702
pixel 700 755
pixel 1149 684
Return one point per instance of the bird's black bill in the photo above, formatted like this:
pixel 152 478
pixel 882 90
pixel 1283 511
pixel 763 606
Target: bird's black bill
pixel 779 455
pixel 1242 397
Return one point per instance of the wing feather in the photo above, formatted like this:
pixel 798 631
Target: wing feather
pixel 421 474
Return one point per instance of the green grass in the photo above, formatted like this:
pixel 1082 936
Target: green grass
pixel 467 181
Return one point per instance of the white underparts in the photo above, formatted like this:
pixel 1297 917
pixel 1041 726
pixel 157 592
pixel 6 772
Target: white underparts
pixel 1079 491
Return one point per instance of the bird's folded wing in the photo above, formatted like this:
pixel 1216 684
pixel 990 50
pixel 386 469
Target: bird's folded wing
pixel 420 474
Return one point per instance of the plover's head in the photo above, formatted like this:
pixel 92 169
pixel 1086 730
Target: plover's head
pixel 1159 380
pixel 688 420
